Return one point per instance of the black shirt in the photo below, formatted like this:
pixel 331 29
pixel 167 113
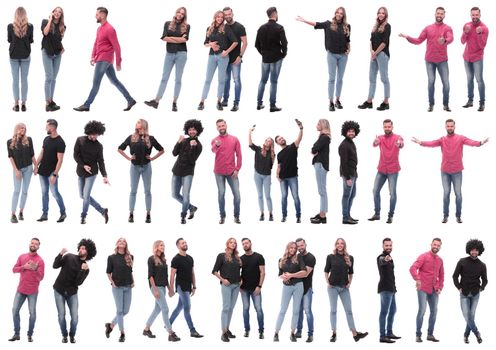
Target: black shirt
pixel 263 165
pixel 349 159
pixel 19 48
pixel 472 272
pixel 186 157
pixel 250 272
pixel 239 30
pixel 22 154
pixel 377 38
pixel 51 147
pixel 158 272
pixel 291 267
pixel 387 281
pixel 224 40
pixel 321 147
pixel 122 274
pixel 228 270
pixel 271 42
pixel 52 42
pixel 338 269
pixel 87 152
pixel 184 271
pixel 288 161
pixel 310 261
pixel 336 41
pixel 173 47
pixel 71 276
pixel 139 149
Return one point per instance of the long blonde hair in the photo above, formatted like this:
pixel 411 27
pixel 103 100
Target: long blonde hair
pixel 20 23
pixel 325 126
pixel 285 257
pixel 127 255
pixel 214 24
pixel 334 22
pixel 159 259
pixel 16 138
pixel 61 23
pixel 272 152
pixel 345 251
pixel 184 22
pixel 235 253
pixel 146 136
pixel 378 25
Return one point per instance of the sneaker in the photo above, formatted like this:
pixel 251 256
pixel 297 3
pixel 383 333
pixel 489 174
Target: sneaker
pixel 174 106
pixel 105 215
pixel 360 335
pixel 43 217
pixel 130 105
pixel 459 219
pixel 235 107
pixel 72 339
pixel 365 105
pixel 469 103
pixel 201 106
pixel 432 339
pixel 292 337
pixel 192 212
pixel 62 218
pixel 260 335
pixel 173 337
pixel 276 337
pixel 333 338
pixel 152 103
pixel 219 106
pixel 274 108
pixel 224 338
pixel 15 337
pixel 338 104
pixel 246 334
pixel 230 335
pixel 148 218
pixel 195 334
pixel 130 218
pixel 389 220
pixel 418 339
pixel 21 216
pixel 64 340
pixel 149 334
pixel 108 329
pixel 236 220
pixel 446 108
pixel 375 217
pixel 309 339
pixel 262 217
pixel 260 106
pixel 13 219
pixel 331 107
pixel 481 108
pixel 122 338
pixel 383 106
pixel 431 108
pixel 82 108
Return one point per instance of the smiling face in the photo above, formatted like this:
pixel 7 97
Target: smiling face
pixel 182 245
pixel 450 128
pixel 387 247
pixel 180 14
pixel 339 14
pixel 121 244
pixel 222 127
pixel 219 18
pixel 435 246
pixel 292 249
pixel 57 13
pixel 474 253
pixel 192 132
pixel 34 245
pixel 161 248
pixel 351 134
pixel 93 137
pixel 439 16
pixel 21 130
pixel 228 16
pixel 82 253
pixel 280 141
pixel 381 14
pixel 100 16
pixel 388 128
pixel 339 245
pixel 268 143
pixel 475 15
pixel 301 246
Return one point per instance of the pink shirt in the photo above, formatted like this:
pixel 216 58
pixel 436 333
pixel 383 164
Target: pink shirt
pixel 452 150
pixel 474 50
pixel 29 279
pixel 106 44
pixel 389 146
pixel 429 269
pixel 435 51
pixel 227 155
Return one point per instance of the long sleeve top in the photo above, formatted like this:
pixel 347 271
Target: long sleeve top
pixel 473 275
pixel 52 42
pixel 429 269
pixel 106 44
pixel 475 42
pixel 321 150
pixel 377 38
pixel 336 41
pixel 122 273
pixel 271 42
pixel 387 281
pixel 435 51
pixel 228 155
pixel 349 159
pixel 87 152
pixel 71 275
pixel 186 157
pixel 19 48
pixel 29 280
pixel 389 146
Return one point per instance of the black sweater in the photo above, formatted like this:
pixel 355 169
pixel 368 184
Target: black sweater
pixel 139 150
pixel 321 147
pixel 52 42
pixel 271 42
pixel 349 159
pixel 472 272
pixel 19 48
pixel 186 157
pixel 87 152
pixel 173 47
pixel 71 275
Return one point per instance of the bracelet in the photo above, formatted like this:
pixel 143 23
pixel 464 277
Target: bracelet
pixel 259 286
pixel 54 175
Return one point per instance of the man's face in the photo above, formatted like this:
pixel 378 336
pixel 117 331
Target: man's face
pixel 302 246
pixel 450 128
pixel 99 16
pixel 439 16
pixel 246 245
pixel 281 141
pixel 192 132
pixel 82 253
pixel 387 247
pixel 388 128
pixel 93 137
pixel 228 16
pixel 49 129
pixel 474 253
pixel 222 128
pixel 350 134
pixel 475 15
pixel 435 246
pixel 182 245
pixel 34 245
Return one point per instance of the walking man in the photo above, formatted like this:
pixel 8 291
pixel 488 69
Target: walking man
pixel 348 168
pixel 306 302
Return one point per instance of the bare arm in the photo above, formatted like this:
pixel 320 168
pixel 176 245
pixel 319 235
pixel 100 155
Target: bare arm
pixel 301 19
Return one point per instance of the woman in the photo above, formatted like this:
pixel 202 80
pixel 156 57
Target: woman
pixel 379 59
pixel 120 275
pixel 292 270
pixel 20 37
pixel 158 281
pixel 338 275
pixel 53 30
pixel 21 155
pixel 221 40
pixel 320 161
pixel 337 43
pixel 264 160
pixel 227 269
pixel 140 146
pixel 176 34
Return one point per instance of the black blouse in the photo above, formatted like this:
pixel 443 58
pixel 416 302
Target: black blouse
pixel 139 149
pixel 224 39
pixel 22 154
pixel 173 47
pixel 336 41
pixel 19 48
pixel 52 42
pixel 377 38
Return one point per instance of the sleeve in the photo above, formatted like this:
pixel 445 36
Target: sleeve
pixel 18 266
pixel 43 25
pixel 82 276
pixel 112 37
pixel 207 38
pixel 482 37
pixel 166 27
pixel 284 42
pixel 344 154
pixel 254 147
pixel 10 31
pixel 30 33
pixel 312 262
pixel 58 262
pixel 101 161
pixel 483 277
pixel 77 152
pixel 414 269
pixel 31 147
pixel 230 35
pixel 93 53
pixel 448 35
pixel 110 265
pixel 464 36
pixel 320 144
pixel 261 260
pixel 155 144
pixel 126 143
pixel 174 263
pixel 9 150
pixel 258 44
pixel 176 149
pixel 214 147
pixel 327 267
pixel 350 268
pixel 348 37
pixel 41 270
pixel 420 39
pixel 321 25
pixel 386 34
pixel 280 270
pixel 196 151
pixel 239 157
pixel 151 267
pixel 242 30
pixel 187 32
pixel 301 263
pixel 470 142
pixel 434 143
pixel 61 146
pixel 218 263
pixel 441 275
pixel 456 275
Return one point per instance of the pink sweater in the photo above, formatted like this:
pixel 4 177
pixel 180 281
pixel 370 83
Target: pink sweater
pixel 225 161
pixel 474 50
pixel 435 52
pixel 389 146
pixel 429 269
pixel 29 279
pixel 106 44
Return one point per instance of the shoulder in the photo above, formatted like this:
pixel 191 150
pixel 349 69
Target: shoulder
pixel 150 259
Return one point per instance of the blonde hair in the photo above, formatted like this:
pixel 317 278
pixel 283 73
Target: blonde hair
pixel 347 259
pixel 378 25
pixel 61 23
pixel 214 24
pixel 235 253
pixel 146 136
pixel 127 255
pixel 20 23
pixel 334 22
pixel 16 138
pixel 326 127
pixel 184 22
pixel 285 257
pixel 159 259
pixel 272 152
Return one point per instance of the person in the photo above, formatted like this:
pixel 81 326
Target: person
pixel 272 45
pixel 252 279
pixel 438 35
pixel 228 161
pixel 287 172
pixel 21 154
pixel 337 44
pixel 120 275
pixel 227 269
pixel 474 37
pixel 187 150
pixel 235 59
pixel 31 270
pixel 102 57
pixel 73 271
pixel 379 59
pixel 176 35
pixel 264 161
pixel 306 301
pixel 348 168
pixel 428 273
pixel 320 162
pixel 183 278
pixel 451 164
pixel 158 281
pixel 140 145
pixel 470 278
pixel 53 30
pixel 88 154
pixel 389 166
pixel 221 41
pixel 49 162
pixel 338 273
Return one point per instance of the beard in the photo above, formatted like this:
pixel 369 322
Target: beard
pixel 439 19
pixel 32 249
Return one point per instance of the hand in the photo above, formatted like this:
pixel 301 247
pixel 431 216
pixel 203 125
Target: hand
pixel 416 140
pixel 257 291
pixel 181 138
pixel 399 142
pixel 193 143
pixel 52 179
pixel 29 266
pixel 478 30
pixel 329 285
pixel 92 62
pixel 193 290
pixel 486 140
pixel 441 40
pixel 460 290
pixel 467 28
pixel 63 251
pixel 401 35
pixel 237 60
pixel 298 122
pixel 118 68
pixel 18 174
pixel 106 181
pixel 373 55
pixel 171 293
pixel 347 285
pixel 50 17
pixel 388 258
pixel 132 285
pixel 252 129
pixel 438 291
pixel 347 52
pixel 376 140
pixel 225 282
pixel 87 168
pixel 349 182
pixel 224 53
pixel 217 143
pixel 133 157
pixel 62 51
pixel 84 266
pixel 418 284
pixel 35 170
pixel 300 19
pixel 214 46
pixel 235 174
pixel 156 294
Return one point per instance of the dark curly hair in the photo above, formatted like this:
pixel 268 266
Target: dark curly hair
pixel 193 123
pixel 474 244
pixel 350 124
pixel 90 248
pixel 94 128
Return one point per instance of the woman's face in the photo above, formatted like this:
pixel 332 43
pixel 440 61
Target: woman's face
pixel 57 13
pixel 268 143
pixel 219 18
pixel 381 14
pixel 292 249
pixel 138 125
pixel 21 131
pixel 340 245
pixel 232 244
pixel 339 14
pixel 180 15
pixel 121 244
pixel 161 247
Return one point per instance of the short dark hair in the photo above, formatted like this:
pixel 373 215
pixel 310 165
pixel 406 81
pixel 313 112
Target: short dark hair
pixel 387 239
pixel 36 239
pixel 220 121
pixel 449 121
pixel 299 239
pixel 474 244
pixel 440 8
pixel 475 8
pixel 102 9
pixel 437 239
pixel 227 8
pixel 271 10
pixel 94 127
pixel 275 138
pixel 193 123
pixel 245 239
pixel 179 240
pixel 52 122
pixel 387 121
pixel 90 248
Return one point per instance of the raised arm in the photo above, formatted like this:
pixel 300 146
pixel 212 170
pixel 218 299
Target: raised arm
pixel 301 19
pixel 300 134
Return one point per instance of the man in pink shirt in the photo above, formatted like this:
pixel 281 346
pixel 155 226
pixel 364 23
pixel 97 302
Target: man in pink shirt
pixel 228 158
pixel 474 37
pixel 388 168
pixel 31 268
pixel 102 57
pixel 451 165
pixel 438 36
pixel 428 273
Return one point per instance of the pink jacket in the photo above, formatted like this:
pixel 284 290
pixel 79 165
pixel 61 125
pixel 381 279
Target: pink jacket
pixel 435 52
pixel 476 42
pixel 29 279
pixel 429 269
pixel 106 44
pixel 228 155
pixel 389 146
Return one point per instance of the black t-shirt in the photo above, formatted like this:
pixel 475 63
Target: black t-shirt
pixel 288 160
pixel 263 165
pixel 239 30
pixel 229 270
pixel 250 270
pixel 336 41
pixel 122 273
pixel 139 149
pixel 22 154
pixel 184 271
pixel 338 269
pixel 19 48
pixel 321 147
pixel 158 272
pixel 177 33
pixel 386 274
pixel 52 42
pixel 224 39
pixel 377 38
pixel 51 146
pixel 289 266
pixel 310 261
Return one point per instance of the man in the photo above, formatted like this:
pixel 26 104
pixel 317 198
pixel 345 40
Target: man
pixel 428 273
pixel 287 172
pixel 387 292
pixel 235 60
pixel 252 279
pixel 88 154
pixel 182 276
pixel 388 168
pixel 474 37
pixel 451 165
pixel 228 162
pixel 73 272
pixel 473 280
pixel 102 57
pixel 306 302
pixel 272 44
pixel 439 35
pixel 187 150
pixel 31 270
pixel 49 163
pixel 348 168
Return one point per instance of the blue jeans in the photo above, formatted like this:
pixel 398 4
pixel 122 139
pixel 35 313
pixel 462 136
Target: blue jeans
pixel 263 182
pixel 185 183
pixel 45 185
pixel 388 310
pixel 221 190
pixel 145 172
pixel 179 60
pixel 19 300
pixel 468 304
pixel 443 69
pixel 380 180
pixel 122 299
pixel 349 193
pixel 235 70
pixel 214 62
pixel 160 307
pixel 344 294
pixel 72 304
pixel 380 64
pixel 336 64
pixel 475 69
pixel 456 180
pixel 23 182
pixel 85 185
pixel 423 300
pixel 229 297
pixel 21 66
pixel 184 303
pixel 272 70
pixel 105 68
pixel 292 184
pixel 257 304
pixel 51 63
pixel 321 176
pixel 288 292
pixel 306 306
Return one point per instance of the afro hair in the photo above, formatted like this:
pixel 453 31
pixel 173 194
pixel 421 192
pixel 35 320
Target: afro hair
pixel 474 244
pixel 90 247
pixel 350 124
pixel 94 128
pixel 193 123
